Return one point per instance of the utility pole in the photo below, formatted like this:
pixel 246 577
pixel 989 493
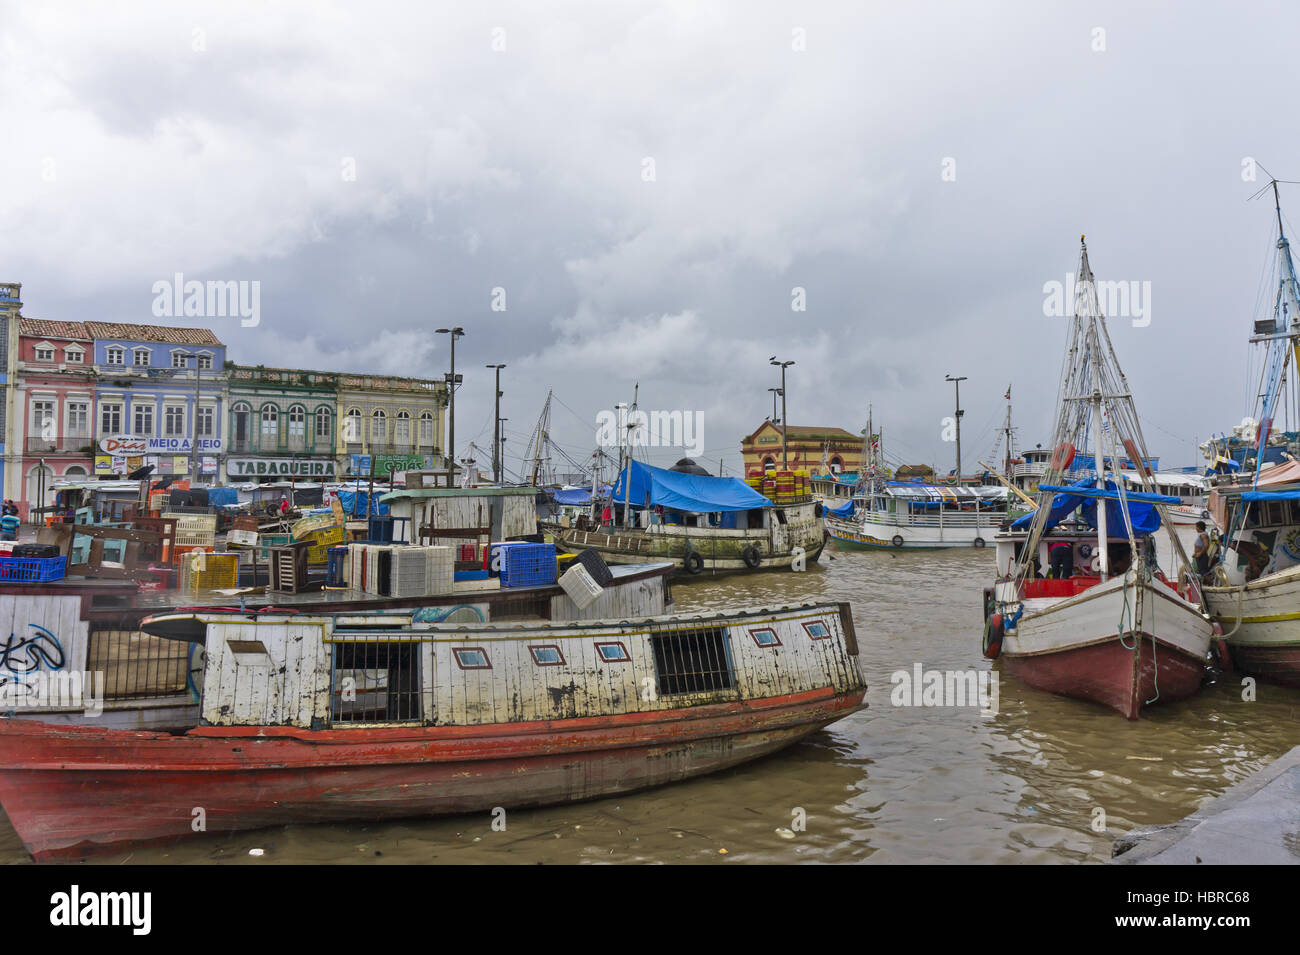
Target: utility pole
pixel 785 427
pixel 194 419
pixel 956 383
pixel 450 454
pixel 496 429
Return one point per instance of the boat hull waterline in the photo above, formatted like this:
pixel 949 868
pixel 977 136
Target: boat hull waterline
pixel 72 790
pixel 1073 647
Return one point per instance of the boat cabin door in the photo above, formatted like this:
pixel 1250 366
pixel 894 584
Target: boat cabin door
pixel 780 531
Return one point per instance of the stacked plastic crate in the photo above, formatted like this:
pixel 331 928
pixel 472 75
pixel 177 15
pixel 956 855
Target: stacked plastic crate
pixel 526 564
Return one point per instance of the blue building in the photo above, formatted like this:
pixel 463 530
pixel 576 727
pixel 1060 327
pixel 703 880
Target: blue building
pixel 158 399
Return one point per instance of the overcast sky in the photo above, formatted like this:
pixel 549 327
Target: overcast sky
pixel 920 170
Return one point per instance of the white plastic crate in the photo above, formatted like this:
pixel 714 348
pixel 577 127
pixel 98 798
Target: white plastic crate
pixel 580 586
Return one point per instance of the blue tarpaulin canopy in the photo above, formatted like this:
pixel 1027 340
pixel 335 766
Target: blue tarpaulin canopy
pixel 1083 495
pixel 1271 495
pixel 697 493
pixel 577 495
pixel 221 496
pixel 354 502
pixel 844 510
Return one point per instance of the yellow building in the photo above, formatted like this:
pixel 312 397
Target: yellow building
pixel 397 422
pixel 818 449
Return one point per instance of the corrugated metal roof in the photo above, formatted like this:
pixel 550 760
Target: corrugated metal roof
pixel 41 328
pixel 164 334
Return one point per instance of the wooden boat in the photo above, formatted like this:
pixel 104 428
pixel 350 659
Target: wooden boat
pixel 1115 631
pixel 701 523
pixel 1254 592
pixel 904 515
pixel 332 717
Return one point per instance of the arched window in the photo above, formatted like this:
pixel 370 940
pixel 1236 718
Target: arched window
pixel 426 429
pixel 297 427
pixel 270 425
pixel 402 429
pixel 323 431
pixel 352 433
pixel 378 425
pixel 241 424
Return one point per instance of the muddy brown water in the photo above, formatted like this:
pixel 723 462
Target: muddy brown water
pixel 889 784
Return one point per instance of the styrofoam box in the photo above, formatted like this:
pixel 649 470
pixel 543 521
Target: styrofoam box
pixel 580 586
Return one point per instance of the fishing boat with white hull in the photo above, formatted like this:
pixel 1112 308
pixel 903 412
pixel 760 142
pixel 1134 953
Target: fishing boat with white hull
pixel 1113 628
pixel 1254 592
pixel 332 717
pixel 701 523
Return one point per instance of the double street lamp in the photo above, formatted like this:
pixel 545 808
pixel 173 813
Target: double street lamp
pixel 785 425
pixel 450 454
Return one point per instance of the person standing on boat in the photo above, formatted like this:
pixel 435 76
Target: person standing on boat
pixel 606 516
pixel 1201 550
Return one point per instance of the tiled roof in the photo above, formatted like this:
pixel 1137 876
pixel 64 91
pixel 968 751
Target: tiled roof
pixel 164 334
pixel 40 328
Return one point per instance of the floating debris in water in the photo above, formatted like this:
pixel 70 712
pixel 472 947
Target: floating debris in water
pixel 1148 759
pixel 784 833
pixel 256 852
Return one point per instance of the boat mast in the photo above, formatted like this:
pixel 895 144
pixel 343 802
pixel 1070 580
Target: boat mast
pixel 1007 434
pixel 1099 460
pixel 627 484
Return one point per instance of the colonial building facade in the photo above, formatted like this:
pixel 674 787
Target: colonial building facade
pixel 159 395
pixel 817 449
pixel 282 424
pixel 391 424
pixel 54 406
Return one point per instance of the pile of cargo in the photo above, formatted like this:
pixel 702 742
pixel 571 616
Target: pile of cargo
pixel 781 487
pixel 524 564
pixel 400 570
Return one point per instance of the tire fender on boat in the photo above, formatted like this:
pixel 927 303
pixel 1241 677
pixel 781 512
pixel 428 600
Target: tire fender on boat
pixel 978 542
pixel 751 557
pixel 993 631
pixel 693 562
pixel 818 509
pixel 897 541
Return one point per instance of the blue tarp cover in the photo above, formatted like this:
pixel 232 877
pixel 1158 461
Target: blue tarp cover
pixel 844 510
pixel 696 493
pixel 1271 496
pixel 577 495
pixel 220 496
pixel 349 499
pixel 1083 494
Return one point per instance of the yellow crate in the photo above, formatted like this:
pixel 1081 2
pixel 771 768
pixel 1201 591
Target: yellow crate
pixel 203 571
pixel 195 530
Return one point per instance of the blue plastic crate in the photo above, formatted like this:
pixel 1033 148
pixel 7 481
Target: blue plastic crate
pixel 336 560
pixel 381 530
pixel 470 574
pixel 528 565
pixel 27 570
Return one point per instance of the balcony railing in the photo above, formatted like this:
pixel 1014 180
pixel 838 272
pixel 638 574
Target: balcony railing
pixel 67 443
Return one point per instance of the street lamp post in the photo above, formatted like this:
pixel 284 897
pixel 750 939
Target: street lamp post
pixel 956 383
pixel 785 426
pixel 194 418
pixel 775 392
pixel 450 455
pixel 496 429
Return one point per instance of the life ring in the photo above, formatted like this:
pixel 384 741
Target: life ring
pixel 693 562
pixel 1063 456
pixel 751 557
pixel 978 542
pixel 1205 514
pixel 897 541
pixel 1085 551
pixel 993 631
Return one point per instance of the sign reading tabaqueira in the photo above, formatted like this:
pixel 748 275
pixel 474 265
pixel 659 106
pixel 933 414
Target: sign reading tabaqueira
pixel 279 467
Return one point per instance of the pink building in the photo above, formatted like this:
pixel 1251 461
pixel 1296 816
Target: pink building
pixel 54 414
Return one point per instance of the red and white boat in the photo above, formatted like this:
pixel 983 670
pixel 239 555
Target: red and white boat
pixel 1085 611
pixel 324 718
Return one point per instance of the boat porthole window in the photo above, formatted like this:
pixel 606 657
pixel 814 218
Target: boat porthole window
pixel 765 637
pixel 547 656
pixel 472 658
pixel 817 630
pixel 613 652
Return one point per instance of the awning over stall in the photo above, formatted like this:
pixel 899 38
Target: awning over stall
pixel 1083 496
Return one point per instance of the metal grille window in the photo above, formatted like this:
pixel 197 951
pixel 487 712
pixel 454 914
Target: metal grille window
pixel 135 664
pixel 691 660
pixel 375 682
